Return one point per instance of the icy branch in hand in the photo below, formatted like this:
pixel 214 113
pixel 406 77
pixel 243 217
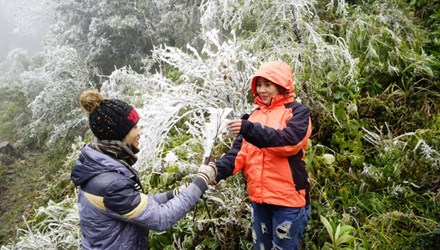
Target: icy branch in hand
pixel 214 128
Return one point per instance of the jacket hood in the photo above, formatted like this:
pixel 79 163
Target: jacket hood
pixel 91 163
pixel 277 72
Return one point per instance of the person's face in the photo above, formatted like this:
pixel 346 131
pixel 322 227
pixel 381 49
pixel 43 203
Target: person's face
pixel 266 90
pixel 133 136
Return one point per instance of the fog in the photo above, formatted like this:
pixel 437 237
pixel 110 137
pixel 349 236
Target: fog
pixel 23 24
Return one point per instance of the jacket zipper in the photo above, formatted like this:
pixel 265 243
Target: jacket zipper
pixel 262 160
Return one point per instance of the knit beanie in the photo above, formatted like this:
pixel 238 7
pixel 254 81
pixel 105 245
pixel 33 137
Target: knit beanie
pixel 109 119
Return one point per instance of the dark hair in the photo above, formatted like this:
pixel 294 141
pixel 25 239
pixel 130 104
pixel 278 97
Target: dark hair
pixel 281 89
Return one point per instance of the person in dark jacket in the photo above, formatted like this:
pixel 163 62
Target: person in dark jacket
pixel 115 213
pixel 270 149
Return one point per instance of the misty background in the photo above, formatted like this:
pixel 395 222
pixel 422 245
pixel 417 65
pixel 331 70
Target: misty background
pixel 23 24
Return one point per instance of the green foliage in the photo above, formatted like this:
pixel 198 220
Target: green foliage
pixel 15 114
pixel 346 138
pixel 219 220
pixel 429 15
pixel 29 183
pixel 49 228
pixel 224 217
pixel 388 46
pixel 339 235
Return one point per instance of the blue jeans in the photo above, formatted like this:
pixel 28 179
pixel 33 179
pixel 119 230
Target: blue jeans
pixel 277 227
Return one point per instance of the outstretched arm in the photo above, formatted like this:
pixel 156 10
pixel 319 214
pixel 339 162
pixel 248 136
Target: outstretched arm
pixel 124 202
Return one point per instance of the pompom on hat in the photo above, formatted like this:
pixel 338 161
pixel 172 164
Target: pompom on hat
pixel 109 119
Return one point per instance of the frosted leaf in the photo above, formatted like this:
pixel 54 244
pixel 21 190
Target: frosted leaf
pixel 328 159
pixel 171 157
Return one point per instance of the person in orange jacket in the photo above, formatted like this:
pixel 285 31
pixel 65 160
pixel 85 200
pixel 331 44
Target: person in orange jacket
pixel 270 149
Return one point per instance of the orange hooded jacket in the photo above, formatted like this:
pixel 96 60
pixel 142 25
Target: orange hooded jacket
pixel 272 143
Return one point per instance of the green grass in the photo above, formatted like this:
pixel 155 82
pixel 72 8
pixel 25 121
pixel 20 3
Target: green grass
pixel 28 184
pixel 29 181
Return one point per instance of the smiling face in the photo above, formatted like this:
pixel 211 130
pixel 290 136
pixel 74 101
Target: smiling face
pixel 133 136
pixel 266 90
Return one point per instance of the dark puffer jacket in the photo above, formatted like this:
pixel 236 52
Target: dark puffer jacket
pixel 114 214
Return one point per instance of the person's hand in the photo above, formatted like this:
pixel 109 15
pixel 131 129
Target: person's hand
pixel 235 126
pixel 208 173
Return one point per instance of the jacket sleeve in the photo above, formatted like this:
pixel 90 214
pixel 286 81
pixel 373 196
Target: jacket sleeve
pixel 123 202
pixel 283 142
pixel 163 197
pixel 232 162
